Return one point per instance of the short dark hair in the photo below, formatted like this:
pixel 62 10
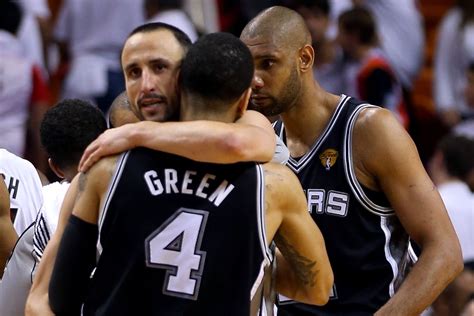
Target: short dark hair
pixel 360 21
pixel 321 6
pixel 180 36
pixel 458 152
pixel 219 66
pixel 68 128
pixel 10 16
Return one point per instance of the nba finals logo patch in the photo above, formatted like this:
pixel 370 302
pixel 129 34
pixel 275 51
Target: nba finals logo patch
pixel 328 158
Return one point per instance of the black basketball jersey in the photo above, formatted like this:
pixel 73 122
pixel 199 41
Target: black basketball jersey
pixel 178 237
pixel 366 244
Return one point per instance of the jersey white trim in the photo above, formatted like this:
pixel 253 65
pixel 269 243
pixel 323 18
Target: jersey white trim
pixel 110 193
pixel 349 168
pixel 262 229
pixel 298 165
pixel 388 254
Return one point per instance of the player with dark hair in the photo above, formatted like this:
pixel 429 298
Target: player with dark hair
pixel 204 229
pixel 366 187
pixel 152 76
pixel 66 130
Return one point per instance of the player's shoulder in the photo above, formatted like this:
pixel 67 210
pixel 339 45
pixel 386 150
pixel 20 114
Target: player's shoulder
pixel 376 118
pixel 278 177
pixel 101 172
pixel 9 159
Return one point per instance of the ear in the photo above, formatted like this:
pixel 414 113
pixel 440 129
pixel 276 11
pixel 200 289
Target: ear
pixel 306 58
pixel 244 102
pixel 56 168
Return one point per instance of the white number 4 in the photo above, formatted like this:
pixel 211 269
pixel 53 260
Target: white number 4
pixel 175 246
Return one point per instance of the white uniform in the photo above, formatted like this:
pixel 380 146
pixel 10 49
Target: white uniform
pixel 20 269
pixel 18 276
pixel 24 186
pixel 48 217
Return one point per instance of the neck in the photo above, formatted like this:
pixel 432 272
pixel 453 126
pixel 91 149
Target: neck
pixel 70 173
pixel 305 121
pixel 189 112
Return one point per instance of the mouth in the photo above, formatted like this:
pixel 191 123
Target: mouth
pixel 152 102
pixel 259 99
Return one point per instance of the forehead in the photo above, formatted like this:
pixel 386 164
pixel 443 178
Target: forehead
pixel 262 47
pixel 159 44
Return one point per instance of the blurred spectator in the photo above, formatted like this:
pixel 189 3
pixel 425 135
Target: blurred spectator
pixel 449 167
pixel 454 51
pixel 33 31
pixel 328 62
pixel 368 74
pixel 91 34
pixel 466 127
pixel 458 298
pixel 23 92
pixel 172 13
pixel 400 27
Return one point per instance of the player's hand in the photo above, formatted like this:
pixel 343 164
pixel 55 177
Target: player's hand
pixel 112 141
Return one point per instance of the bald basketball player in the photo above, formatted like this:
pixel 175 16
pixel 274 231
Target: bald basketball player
pixel 365 184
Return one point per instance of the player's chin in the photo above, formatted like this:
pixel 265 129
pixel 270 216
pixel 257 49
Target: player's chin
pixel 155 117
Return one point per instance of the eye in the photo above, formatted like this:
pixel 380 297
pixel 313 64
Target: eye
pixel 159 67
pixel 267 63
pixel 134 73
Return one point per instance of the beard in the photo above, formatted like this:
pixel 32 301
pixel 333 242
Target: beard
pixel 275 105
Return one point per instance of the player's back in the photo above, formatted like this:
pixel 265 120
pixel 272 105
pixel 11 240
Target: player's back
pixel 179 237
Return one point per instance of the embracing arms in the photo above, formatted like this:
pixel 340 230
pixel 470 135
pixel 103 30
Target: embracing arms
pixel 251 138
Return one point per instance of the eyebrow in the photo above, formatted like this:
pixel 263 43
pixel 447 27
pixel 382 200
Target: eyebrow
pixel 266 56
pixel 151 61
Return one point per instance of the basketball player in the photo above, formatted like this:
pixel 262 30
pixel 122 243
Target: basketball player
pixel 366 187
pixel 167 53
pixel 24 186
pixel 65 131
pixel 195 243
pixel 8 235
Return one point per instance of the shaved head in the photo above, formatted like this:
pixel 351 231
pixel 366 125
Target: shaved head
pixel 284 26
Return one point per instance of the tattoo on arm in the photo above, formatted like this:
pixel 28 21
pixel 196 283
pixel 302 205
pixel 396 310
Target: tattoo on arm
pixel 82 183
pixel 302 266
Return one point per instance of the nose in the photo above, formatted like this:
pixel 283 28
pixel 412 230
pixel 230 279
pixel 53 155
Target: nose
pixel 257 82
pixel 148 82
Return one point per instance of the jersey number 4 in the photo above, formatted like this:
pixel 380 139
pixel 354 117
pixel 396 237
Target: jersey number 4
pixel 175 247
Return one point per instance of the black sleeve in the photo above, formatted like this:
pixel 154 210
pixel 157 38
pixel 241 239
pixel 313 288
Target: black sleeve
pixel 378 86
pixel 74 263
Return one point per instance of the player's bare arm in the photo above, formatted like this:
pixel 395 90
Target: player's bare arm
pixel 8 233
pixel 385 158
pixel 77 249
pixel 303 271
pixel 251 138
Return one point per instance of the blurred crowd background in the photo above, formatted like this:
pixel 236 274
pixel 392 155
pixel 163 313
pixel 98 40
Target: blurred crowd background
pixel 414 57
